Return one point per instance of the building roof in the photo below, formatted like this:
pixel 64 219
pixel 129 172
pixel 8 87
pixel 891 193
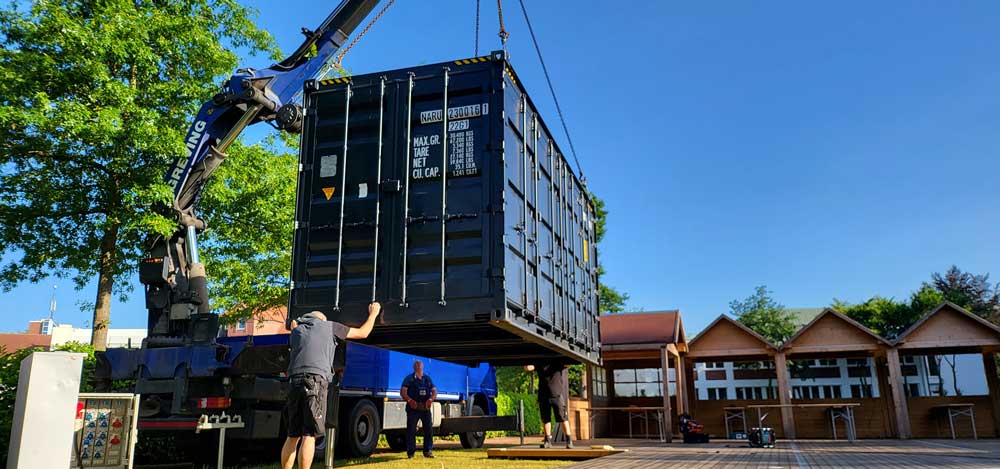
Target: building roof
pixel 949 326
pixel 727 337
pixel 803 316
pixel 14 342
pixel 656 327
pixel 832 331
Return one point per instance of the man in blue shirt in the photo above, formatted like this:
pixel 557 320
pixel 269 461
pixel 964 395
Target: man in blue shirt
pixel 420 393
pixel 313 341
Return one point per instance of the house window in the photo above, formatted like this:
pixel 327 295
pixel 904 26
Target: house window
pixel 857 362
pixel 599 381
pixel 909 360
pixel 241 325
pixel 912 390
pixel 715 366
pixel 752 393
pixel 642 382
pixel 826 363
pixel 717 394
pixel 861 390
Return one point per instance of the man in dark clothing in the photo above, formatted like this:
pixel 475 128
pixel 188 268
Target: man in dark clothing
pixel 313 341
pixel 553 394
pixel 420 393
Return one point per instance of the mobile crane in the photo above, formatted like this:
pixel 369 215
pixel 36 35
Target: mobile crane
pixel 182 368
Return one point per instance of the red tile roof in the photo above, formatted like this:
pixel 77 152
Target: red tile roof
pixel 659 327
pixel 14 342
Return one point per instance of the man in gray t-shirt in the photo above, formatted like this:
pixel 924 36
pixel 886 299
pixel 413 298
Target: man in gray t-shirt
pixel 313 341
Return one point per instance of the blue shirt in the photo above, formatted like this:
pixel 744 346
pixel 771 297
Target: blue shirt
pixel 418 389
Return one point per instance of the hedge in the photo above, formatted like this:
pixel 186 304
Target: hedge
pixel 507 405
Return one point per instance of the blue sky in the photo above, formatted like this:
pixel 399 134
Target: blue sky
pixel 840 149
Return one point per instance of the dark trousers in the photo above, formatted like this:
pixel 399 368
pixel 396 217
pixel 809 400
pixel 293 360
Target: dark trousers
pixel 424 416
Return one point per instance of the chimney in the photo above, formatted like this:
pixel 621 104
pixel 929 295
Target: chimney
pixel 35 327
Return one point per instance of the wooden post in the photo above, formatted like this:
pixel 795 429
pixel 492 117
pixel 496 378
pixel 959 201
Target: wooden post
pixel 784 395
pixel 682 394
pixel 993 382
pixel 689 389
pixel 900 408
pixel 667 419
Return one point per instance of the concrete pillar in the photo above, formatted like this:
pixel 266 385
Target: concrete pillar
pixel 682 390
pixel 668 421
pixel 900 409
pixel 990 367
pixel 784 395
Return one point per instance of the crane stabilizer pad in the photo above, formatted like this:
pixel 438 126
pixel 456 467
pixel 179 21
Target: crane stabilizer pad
pixel 534 452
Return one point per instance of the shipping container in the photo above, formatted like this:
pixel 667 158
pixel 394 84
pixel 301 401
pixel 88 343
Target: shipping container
pixel 491 259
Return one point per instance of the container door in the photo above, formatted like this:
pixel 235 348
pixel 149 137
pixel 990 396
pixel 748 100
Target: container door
pixel 340 200
pixel 443 209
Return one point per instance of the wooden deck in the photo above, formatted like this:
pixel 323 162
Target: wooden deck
pixel 814 454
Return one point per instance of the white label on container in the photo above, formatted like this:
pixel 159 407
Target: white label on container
pixel 362 190
pixel 455 113
pixel 327 166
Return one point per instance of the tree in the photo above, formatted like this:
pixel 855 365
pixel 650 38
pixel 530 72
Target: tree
pixel 970 291
pixel 884 316
pixel 247 248
pixel 94 100
pixel 610 299
pixel 764 316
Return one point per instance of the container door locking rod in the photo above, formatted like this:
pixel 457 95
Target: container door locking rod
pixel 343 195
pixel 378 183
pixel 406 177
pixel 444 183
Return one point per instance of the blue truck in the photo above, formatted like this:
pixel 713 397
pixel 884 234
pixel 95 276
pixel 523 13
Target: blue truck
pixel 246 376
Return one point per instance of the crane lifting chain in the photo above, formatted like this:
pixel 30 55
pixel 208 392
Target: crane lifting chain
pixel 503 31
pixel 338 62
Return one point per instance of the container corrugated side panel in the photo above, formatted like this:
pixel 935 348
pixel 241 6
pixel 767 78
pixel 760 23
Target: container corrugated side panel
pixel 550 242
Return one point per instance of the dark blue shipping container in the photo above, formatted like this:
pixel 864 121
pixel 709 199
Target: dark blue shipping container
pixel 489 259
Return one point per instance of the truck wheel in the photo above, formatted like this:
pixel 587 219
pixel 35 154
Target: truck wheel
pixel 361 430
pixel 396 440
pixel 472 440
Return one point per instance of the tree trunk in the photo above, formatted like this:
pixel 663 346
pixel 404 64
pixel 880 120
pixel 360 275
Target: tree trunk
pixel 105 283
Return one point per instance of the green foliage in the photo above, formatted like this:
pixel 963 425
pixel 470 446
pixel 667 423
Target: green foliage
pixel 10 371
pixel 513 379
pixel 764 316
pixel 610 299
pixel 507 405
pixel 884 316
pixel 247 250
pixel 970 291
pixel 95 98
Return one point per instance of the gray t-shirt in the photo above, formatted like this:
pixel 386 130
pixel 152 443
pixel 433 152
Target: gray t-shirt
pixel 313 344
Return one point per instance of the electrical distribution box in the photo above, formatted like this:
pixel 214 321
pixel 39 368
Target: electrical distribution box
pixel 105 431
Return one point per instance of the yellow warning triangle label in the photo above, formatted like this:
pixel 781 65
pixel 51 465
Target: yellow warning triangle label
pixel 328 191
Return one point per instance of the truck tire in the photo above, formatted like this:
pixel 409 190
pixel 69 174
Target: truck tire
pixel 360 431
pixel 473 440
pixel 396 440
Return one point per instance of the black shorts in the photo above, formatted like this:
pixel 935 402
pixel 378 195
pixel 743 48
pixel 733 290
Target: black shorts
pixel 548 405
pixel 305 411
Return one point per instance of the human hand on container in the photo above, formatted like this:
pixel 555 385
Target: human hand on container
pixel 374 309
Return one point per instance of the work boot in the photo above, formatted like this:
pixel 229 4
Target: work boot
pixel 546 443
pixel 428 454
pixel 569 443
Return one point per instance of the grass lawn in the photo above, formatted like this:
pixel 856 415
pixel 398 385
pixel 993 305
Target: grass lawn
pixel 445 458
